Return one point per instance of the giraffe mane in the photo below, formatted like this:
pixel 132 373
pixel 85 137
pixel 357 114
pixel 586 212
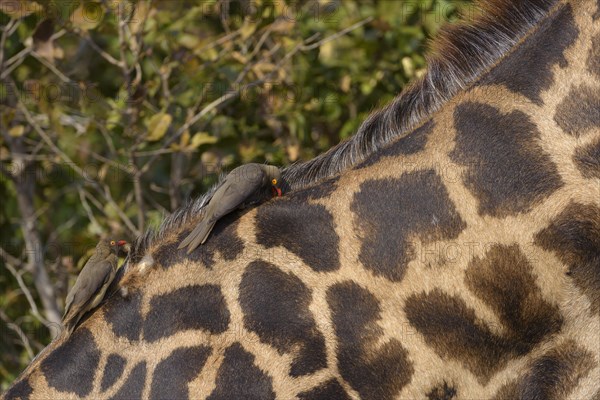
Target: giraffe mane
pixel 459 55
pixel 177 218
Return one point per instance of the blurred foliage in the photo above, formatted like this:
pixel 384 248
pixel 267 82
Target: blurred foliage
pixel 114 113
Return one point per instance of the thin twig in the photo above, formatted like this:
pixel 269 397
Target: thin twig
pixel 155 204
pixel 102 190
pixel 18 58
pixel 8 261
pixel 234 93
pixel 117 165
pixel 93 200
pixel 53 237
pixel 192 121
pixel 13 62
pixel 51 67
pixel 104 54
pixel 219 41
pixel 107 195
pixel 14 327
pixel 6 32
pixel 337 34
pixel 155 152
pixel 87 207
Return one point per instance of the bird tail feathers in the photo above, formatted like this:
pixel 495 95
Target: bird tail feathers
pixel 198 236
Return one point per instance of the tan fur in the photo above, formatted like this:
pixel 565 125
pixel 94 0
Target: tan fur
pixel 439 265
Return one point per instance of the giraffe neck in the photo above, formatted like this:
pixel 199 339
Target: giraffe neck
pixel 460 56
pixel 457 260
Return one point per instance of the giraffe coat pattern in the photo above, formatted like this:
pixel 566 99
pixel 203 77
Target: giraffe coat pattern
pixel 449 250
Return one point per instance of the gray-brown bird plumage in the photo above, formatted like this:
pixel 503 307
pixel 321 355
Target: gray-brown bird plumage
pixel 244 185
pixel 92 282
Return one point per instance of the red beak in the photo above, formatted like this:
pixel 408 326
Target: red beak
pixel 121 243
pixel 276 191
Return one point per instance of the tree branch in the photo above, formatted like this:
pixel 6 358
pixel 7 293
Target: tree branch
pixel 102 190
pixel 15 328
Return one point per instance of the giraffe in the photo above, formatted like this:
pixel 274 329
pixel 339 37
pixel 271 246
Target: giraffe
pixel 449 250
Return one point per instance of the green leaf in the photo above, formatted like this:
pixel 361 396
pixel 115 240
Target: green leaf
pixel 20 9
pixel 247 29
pixel 16 131
pixel 201 138
pixel 189 41
pixel 157 127
pixel 87 16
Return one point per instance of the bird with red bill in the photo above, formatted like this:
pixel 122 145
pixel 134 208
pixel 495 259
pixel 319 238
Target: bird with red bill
pixel 244 186
pixel 93 280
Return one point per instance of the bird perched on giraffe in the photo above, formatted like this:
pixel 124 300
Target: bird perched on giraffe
pixel 93 280
pixel 244 186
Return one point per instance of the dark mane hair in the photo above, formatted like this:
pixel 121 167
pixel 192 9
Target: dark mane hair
pixel 460 54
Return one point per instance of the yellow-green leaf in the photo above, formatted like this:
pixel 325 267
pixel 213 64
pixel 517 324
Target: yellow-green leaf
pixel 20 9
pixel 88 15
pixel 247 29
pixel 157 127
pixel 139 16
pixel 185 138
pixel 201 138
pixel 188 41
pixel 210 54
pixel 16 131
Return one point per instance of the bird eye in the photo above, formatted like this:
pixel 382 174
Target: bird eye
pixel 274 181
pixel 112 243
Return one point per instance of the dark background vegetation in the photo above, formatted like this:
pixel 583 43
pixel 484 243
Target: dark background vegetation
pixel 115 113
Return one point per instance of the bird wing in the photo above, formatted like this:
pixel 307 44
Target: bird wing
pixel 87 285
pixel 198 235
pixel 236 190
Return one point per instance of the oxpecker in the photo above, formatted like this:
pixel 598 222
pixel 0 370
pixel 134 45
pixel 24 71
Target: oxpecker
pixel 245 185
pixel 92 282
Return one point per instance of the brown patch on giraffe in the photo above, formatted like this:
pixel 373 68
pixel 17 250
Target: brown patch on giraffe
pixel 71 367
pixel 420 201
pixel 528 69
pixel 374 369
pixel 330 390
pixel 593 60
pixel 115 365
pixel 21 390
pixel 276 306
pixel 460 55
pixel 173 374
pixel 574 237
pixel 306 230
pixel 167 254
pixel 239 378
pixel 222 239
pixel 554 375
pixel 412 143
pixel 453 330
pixel 507 170
pixel 186 308
pixel 587 160
pixel 503 280
pixel 442 392
pixel 579 112
pixel 508 391
pixel 134 385
pixel 124 315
